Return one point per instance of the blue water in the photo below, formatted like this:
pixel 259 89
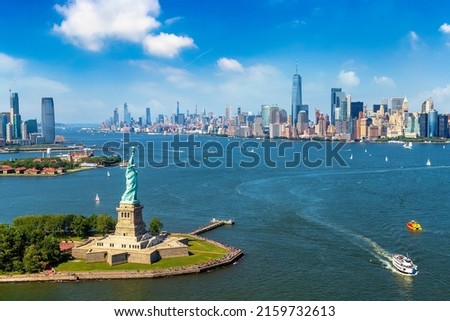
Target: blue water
pixel 325 233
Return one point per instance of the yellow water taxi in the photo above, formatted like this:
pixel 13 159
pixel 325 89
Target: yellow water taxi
pixel 414 226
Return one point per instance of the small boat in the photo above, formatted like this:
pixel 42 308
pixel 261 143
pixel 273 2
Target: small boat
pixel 414 226
pixel 97 199
pixel 351 156
pixel 428 163
pixel 386 158
pixel 404 264
pixel 407 145
pixel 108 174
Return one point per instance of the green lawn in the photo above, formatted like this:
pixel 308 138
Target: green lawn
pixel 200 252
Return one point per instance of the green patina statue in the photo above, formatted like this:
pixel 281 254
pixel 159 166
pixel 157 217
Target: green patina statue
pixel 130 195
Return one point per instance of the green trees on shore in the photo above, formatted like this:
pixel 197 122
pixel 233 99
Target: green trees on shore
pixel 31 243
pixel 38 163
pixel 57 162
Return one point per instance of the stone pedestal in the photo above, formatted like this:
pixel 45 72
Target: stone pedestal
pixel 129 220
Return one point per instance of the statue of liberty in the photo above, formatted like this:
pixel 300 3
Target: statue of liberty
pixel 130 195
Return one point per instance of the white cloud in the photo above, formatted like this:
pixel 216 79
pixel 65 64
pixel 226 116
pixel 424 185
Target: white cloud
pixel 45 86
pixel 166 45
pixel 173 20
pixel 227 64
pixel 179 77
pixel 89 23
pixel 384 81
pixel 445 28
pixel 413 39
pixel 441 94
pixel 348 78
pixel 10 64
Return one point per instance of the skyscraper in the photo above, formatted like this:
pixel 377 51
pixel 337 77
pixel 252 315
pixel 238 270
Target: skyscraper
pixel 148 117
pixel 15 116
pixel 396 104
pixel 432 123
pixel 335 103
pixel 356 107
pixel 48 120
pixel 116 117
pixel 265 114
pixel 296 105
pixel 126 114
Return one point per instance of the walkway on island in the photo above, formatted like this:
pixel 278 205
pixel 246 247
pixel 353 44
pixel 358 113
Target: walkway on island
pixel 212 225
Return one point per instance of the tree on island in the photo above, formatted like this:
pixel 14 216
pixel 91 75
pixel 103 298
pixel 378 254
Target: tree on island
pixel 31 243
pixel 155 226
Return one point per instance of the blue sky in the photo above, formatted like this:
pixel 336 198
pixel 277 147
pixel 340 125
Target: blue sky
pixel 92 56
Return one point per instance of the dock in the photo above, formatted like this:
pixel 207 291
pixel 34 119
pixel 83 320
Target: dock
pixel 215 223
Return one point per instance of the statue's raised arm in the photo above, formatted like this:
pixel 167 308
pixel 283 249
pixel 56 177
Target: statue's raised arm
pixel 130 195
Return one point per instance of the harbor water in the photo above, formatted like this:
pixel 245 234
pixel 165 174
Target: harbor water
pixel 308 233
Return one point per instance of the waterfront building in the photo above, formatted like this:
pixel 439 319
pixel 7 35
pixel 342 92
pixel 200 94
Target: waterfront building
pixel 9 135
pixel 302 123
pixel 296 103
pixel 126 115
pixel 148 117
pixel 427 105
pixel 283 116
pixel 265 114
pixel 24 130
pixel 396 104
pixel 356 107
pixel 258 130
pixel 48 120
pixel 15 116
pixel 4 120
pixel 335 103
pixel 274 130
pixel 17 126
pixel 116 121
pixel 32 126
pixel 433 123
pixel 443 126
pixel 274 115
pixel 412 129
pixel 423 125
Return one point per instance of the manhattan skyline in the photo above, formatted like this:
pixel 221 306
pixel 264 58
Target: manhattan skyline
pixel 93 56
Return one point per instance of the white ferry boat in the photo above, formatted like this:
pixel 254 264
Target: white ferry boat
pixel 404 264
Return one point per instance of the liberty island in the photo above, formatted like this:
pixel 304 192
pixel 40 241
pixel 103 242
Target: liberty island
pixel 131 243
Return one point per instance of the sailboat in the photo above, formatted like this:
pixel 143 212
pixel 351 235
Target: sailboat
pixel 428 163
pixel 97 199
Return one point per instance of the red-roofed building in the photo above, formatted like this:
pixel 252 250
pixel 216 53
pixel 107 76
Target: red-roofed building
pixel 6 169
pixel 32 171
pixel 20 170
pixel 49 171
pixel 66 246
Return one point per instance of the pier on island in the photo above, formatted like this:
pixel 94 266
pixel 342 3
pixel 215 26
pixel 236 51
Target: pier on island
pixel 215 223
